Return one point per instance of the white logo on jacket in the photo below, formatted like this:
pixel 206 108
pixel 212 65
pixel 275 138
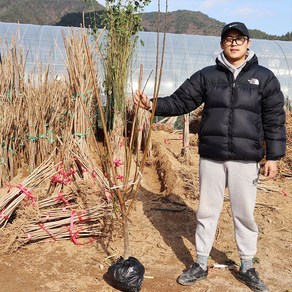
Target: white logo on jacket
pixel 254 81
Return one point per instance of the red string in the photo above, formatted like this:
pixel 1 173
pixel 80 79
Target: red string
pixel 93 173
pixel 285 194
pixel 27 193
pixel 74 235
pixel 63 177
pixel 56 179
pixel 67 174
pixel 29 237
pixel 61 198
pixel 118 162
pixel 108 195
pixel 79 215
pixel 3 215
pixel 9 187
pixel 46 230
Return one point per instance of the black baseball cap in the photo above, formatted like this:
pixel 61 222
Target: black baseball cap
pixel 235 25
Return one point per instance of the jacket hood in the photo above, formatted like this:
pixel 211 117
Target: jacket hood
pixel 222 61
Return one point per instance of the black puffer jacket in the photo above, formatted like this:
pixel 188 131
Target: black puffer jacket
pixel 242 119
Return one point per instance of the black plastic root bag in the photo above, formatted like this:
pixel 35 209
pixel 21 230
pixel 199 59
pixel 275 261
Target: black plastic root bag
pixel 126 275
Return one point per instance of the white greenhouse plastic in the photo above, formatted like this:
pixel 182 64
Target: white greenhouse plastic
pixel 184 54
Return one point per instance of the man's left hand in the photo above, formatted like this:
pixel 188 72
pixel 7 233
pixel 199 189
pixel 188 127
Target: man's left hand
pixel 271 169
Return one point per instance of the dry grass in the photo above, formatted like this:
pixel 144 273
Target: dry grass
pixel 48 128
pixel 286 162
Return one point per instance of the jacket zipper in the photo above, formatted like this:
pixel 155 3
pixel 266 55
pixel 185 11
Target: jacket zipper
pixel 231 117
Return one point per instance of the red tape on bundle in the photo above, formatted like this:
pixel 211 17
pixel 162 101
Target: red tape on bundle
pixel 67 174
pixel 56 179
pixel 120 177
pixel 66 181
pixel 74 235
pixel 3 215
pixel 46 230
pixel 79 215
pixel 27 193
pixel 285 194
pixel 9 186
pixel 93 173
pixel 61 180
pixel 61 198
pixel 108 195
pixel 29 237
pixel 118 162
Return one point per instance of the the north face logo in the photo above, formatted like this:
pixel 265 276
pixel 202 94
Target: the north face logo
pixel 254 81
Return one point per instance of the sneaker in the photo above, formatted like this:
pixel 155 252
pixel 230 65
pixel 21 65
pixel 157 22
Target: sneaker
pixel 252 280
pixel 193 274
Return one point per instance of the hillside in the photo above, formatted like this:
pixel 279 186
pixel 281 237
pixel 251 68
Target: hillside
pixel 74 12
pixel 41 12
pixel 180 22
pixel 184 21
pixel 196 22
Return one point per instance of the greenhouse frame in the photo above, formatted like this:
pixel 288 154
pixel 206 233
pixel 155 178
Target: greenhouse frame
pixel 183 54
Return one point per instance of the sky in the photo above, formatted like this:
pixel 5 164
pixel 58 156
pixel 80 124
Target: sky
pixel 270 16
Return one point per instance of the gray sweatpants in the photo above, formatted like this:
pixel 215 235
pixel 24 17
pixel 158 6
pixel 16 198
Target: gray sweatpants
pixel 241 178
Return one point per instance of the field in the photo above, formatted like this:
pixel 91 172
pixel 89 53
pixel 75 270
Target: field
pixel 58 232
pixel 162 236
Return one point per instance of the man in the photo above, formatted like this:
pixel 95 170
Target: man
pixel 243 121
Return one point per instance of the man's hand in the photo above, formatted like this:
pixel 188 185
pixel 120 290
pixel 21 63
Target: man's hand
pixel 143 99
pixel 271 169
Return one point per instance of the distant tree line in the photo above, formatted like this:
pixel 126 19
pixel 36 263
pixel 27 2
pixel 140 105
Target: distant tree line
pixel 180 22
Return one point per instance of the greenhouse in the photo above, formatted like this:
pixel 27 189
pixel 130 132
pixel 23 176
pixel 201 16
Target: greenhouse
pixel 183 55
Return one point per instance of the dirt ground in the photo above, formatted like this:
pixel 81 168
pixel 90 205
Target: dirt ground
pixel 162 237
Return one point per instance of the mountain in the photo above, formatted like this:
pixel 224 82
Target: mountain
pixel 42 12
pixel 183 21
pixel 76 12
pixel 180 22
pixel 196 22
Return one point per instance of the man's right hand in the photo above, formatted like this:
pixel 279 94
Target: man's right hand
pixel 143 99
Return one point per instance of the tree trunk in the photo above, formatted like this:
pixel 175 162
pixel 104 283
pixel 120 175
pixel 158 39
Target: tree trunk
pixel 186 136
pixel 118 143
